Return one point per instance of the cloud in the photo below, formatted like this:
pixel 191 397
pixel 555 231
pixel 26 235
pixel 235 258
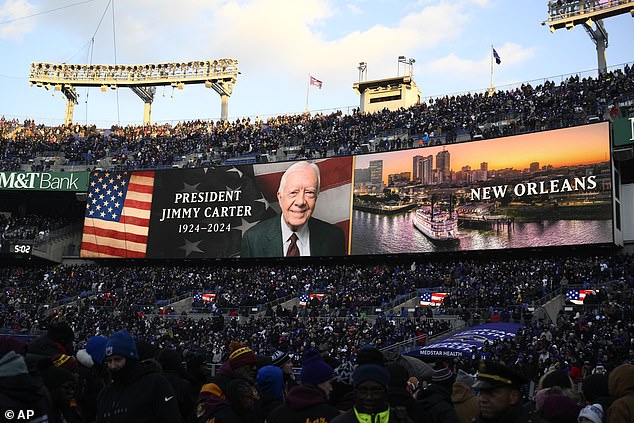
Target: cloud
pixel 354 9
pixel 463 71
pixel 13 24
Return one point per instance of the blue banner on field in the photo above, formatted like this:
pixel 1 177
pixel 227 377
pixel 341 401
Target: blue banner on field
pixel 461 343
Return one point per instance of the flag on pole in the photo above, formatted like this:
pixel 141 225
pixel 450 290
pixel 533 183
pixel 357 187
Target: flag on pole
pixel 316 82
pixel 497 57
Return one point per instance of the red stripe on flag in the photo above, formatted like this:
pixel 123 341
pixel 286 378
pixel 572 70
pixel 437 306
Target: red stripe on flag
pixel 114 234
pixel 141 188
pixel 136 204
pixel 110 251
pixel 137 221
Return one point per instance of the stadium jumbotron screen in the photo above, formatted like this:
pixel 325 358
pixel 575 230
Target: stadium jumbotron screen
pixel 543 189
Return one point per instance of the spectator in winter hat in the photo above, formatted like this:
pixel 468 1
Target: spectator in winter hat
pixel 240 365
pixel 284 362
pixel 61 384
pixel 591 414
pixel 371 383
pixel 465 403
pixel 436 399
pixel 138 393
pixel 270 387
pixel 96 347
pixel 93 375
pixel 309 400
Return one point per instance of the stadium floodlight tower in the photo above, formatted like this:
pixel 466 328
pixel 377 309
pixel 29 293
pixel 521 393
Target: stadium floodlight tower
pixel 221 75
pixel 589 13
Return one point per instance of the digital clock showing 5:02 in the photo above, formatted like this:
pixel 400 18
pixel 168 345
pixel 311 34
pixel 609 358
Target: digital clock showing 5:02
pixel 21 248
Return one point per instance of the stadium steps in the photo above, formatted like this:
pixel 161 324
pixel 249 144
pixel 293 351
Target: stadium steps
pixel 59 244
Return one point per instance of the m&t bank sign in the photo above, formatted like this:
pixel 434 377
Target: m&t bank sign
pixel 44 181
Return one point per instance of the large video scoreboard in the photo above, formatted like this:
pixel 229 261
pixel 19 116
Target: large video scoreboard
pixel 542 189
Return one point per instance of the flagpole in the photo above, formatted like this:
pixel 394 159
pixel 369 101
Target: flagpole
pixel 491 65
pixel 307 92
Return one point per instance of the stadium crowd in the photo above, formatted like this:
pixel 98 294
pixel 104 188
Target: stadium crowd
pixel 527 108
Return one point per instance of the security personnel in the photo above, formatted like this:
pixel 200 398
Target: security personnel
pixel 499 395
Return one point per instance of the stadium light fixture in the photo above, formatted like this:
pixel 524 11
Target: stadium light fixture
pixel 104 88
pixel 570 25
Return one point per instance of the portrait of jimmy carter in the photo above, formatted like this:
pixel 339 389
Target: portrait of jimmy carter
pixel 295 232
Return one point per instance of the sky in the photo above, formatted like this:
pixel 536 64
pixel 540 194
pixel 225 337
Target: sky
pixel 581 145
pixel 278 44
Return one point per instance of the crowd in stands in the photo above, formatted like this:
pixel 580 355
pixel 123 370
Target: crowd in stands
pixel 527 108
pixel 30 227
pixel 558 372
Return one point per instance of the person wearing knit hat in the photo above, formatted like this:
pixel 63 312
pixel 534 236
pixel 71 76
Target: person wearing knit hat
pixel 137 392
pixel 465 403
pixel 96 347
pixel 21 391
pixel 591 414
pixel 67 362
pixel 309 400
pixel 121 343
pixel 61 384
pixel 241 364
pixel 283 361
pixel 436 398
pixel 315 370
pixel 92 375
pixel 371 383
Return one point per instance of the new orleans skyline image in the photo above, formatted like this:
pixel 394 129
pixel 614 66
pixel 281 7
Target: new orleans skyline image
pixel 531 190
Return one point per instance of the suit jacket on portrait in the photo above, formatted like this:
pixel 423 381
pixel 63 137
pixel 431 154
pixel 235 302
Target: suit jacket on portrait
pixel 265 239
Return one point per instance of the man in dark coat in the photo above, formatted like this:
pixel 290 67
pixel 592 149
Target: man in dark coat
pixel 309 400
pixel 138 393
pixel 295 232
pixel 436 399
pixel 21 391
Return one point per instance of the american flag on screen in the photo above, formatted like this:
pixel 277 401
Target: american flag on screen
pixel 117 216
pixel 208 298
pixel 577 296
pixel 303 299
pixel 432 298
